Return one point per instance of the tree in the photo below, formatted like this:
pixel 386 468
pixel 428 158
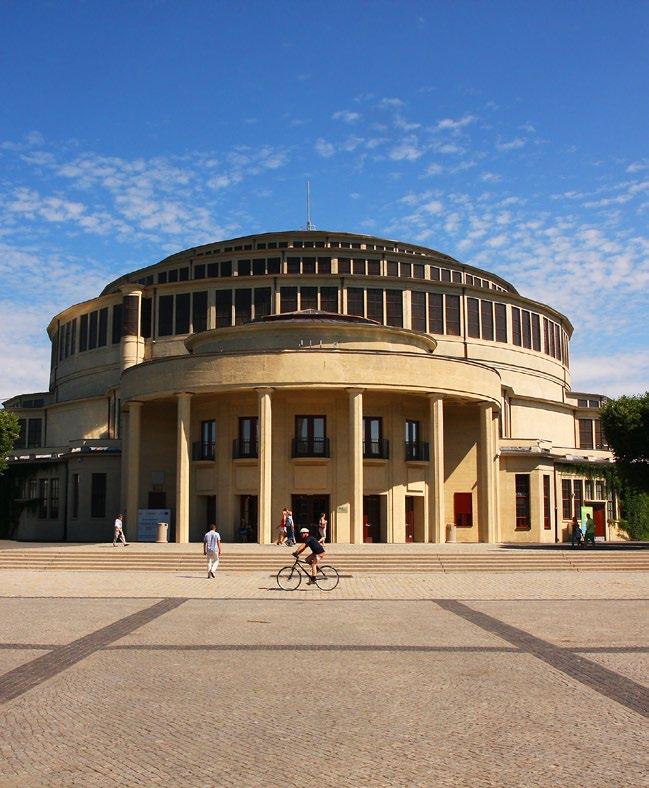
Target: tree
pixel 625 422
pixel 9 432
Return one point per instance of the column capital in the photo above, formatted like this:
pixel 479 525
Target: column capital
pixel 133 404
pixel 182 394
pixel 353 390
pixel 264 390
pixel 435 395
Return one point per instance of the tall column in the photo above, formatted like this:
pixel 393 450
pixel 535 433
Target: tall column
pixel 356 463
pixel 496 482
pixel 182 467
pixel 265 448
pixel 131 342
pixel 486 484
pixel 436 503
pixel 133 467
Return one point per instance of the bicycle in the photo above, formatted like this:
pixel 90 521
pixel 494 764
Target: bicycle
pixel 290 577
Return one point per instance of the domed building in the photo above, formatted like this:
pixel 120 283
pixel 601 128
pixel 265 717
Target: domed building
pixel 403 393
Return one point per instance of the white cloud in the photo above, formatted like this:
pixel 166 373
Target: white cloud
pixel 450 124
pixel 512 144
pixel 324 148
pixel 391 103
pixel 638 166
pixel 408 149
pixel 346 116
pixel 490 177
pixel 434 169
pixel 614 375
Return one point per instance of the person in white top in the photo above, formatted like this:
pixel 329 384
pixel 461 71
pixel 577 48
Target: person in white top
pixel 119 531
pixel 322 528
pixel 212 549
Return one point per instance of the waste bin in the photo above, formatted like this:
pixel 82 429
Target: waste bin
pixel 451 533
pixel 162 533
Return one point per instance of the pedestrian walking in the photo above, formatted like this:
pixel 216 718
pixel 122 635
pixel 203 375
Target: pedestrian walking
pixel 212 549
pixel 281 530
pixel 575 535
pixel 322 528
pixel 118 531
pixel 290 528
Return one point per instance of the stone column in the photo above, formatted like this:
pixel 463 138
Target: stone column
pixel 436 502
pixel 496 481
pixel 133 468
pixel 131 352
pixel 486 483
pixel 183 447
pixel 265 448
pixel 356 463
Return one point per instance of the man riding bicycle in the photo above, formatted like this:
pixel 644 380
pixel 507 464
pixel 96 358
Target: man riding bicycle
pixel 317 551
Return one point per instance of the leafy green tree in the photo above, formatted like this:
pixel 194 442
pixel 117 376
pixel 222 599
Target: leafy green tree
pixel 625 422
pixel 635 513
pixel 9 432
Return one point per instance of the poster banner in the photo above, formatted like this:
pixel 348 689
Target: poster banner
pixel 147 523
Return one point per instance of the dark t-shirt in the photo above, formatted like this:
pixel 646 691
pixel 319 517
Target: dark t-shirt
pixel 314 545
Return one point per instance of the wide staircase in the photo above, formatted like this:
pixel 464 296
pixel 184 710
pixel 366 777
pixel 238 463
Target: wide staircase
pixel 347 559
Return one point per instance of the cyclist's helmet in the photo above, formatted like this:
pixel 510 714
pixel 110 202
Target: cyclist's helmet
pixel 304 530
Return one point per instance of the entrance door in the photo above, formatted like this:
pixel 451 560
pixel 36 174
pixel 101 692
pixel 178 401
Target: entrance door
pixel 599 517
pixel 307 510
pixel 247 519
pixel 371 518
pixel 410 518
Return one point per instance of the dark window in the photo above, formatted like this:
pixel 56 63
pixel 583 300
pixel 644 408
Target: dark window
pixel 434 273
pixel 578 487
pixel 329 299
pixel 585 433
pixel 393 268
pixel 92 331
pixel 487 319
pixel 557 342
pixel 173 275
pixel 199 311
pixel 418 270
pixel 292 265
pixel 473 317
pixel 600 441
pixel 324 265
pixel 527 329
pixel 547 523
pixel 223 308
pixel 73 333
pixel 415 448
pixel 212 270
pixel 394 308
pixel 204 450
pixel 536 331
pixel 566 498
pixel 130 316
pixel 310 437
pixel 457 276
pixel 344 265
pixel 43 486
pixel 446 275
pixel 453 315
pixel 262 301
pixel 145 318
pixel 183 274
pixel 405 269
pixel 182 313
pixel 274 265
pixel 226 268
pixel 199 271
pixel 165 315
pixel 288 299
pixel 21 440
pixel 355 305
pixel 373 444
pixel 308 265
pixel 117 324
pixel 374 268
pixel 244 268
pixel 242 306
pixel 522 500
pixel 259 266
pixel 418 311
pixel 358 267
pixel 436 313
pixel 162 278
pixel 501 323
pixel 34 433
pixel 98 495
pixel 247 442
pixel 516 326
pixel 375 304
pixel 463 509
pixel 546 336
pixel 75 495
pixel 54 499
pixel 308 298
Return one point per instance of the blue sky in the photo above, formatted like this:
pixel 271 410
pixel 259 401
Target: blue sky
pixel 510 135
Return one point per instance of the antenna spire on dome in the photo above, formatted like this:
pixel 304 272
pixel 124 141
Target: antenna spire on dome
pixel 309 223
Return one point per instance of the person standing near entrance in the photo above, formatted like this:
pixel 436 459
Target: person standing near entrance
pixel 118 532
pixel 590 530
pixel 290 529
pixel 281 530
pixel 575 535
pixel 212 549
pixel 322 528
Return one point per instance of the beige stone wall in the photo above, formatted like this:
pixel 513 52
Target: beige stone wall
pixel 543 420
pixel 77 420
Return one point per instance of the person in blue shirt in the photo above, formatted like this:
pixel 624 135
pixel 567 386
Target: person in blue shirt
pixel 212 549
pixel 317 551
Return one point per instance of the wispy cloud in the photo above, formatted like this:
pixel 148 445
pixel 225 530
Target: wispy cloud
pixel 347 116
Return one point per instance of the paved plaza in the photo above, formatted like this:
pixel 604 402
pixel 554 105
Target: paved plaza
pixel 476 679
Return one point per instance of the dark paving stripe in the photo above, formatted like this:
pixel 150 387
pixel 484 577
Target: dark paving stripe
pixel 596 677
pixel 29 646
pixel 25 677
pixel 316 647
pixel 608 649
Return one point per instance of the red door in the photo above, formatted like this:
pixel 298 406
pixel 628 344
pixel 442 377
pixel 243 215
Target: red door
pixel 599 516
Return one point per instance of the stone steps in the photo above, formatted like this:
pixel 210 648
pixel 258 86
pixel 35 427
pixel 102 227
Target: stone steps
pixel 135 561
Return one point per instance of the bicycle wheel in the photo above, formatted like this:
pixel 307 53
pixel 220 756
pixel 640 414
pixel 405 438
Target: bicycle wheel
pixel 327 578
pixel 289 578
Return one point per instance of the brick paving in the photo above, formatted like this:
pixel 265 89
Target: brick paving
pixel 458 680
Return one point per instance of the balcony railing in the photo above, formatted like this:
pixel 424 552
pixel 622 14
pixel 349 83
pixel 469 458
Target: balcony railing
pixel 314 447
pixel 244 449
pixel 376 450
pixel 202 451
pixel 417 450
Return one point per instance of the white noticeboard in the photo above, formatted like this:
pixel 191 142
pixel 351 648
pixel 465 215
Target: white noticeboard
pixel 147 523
